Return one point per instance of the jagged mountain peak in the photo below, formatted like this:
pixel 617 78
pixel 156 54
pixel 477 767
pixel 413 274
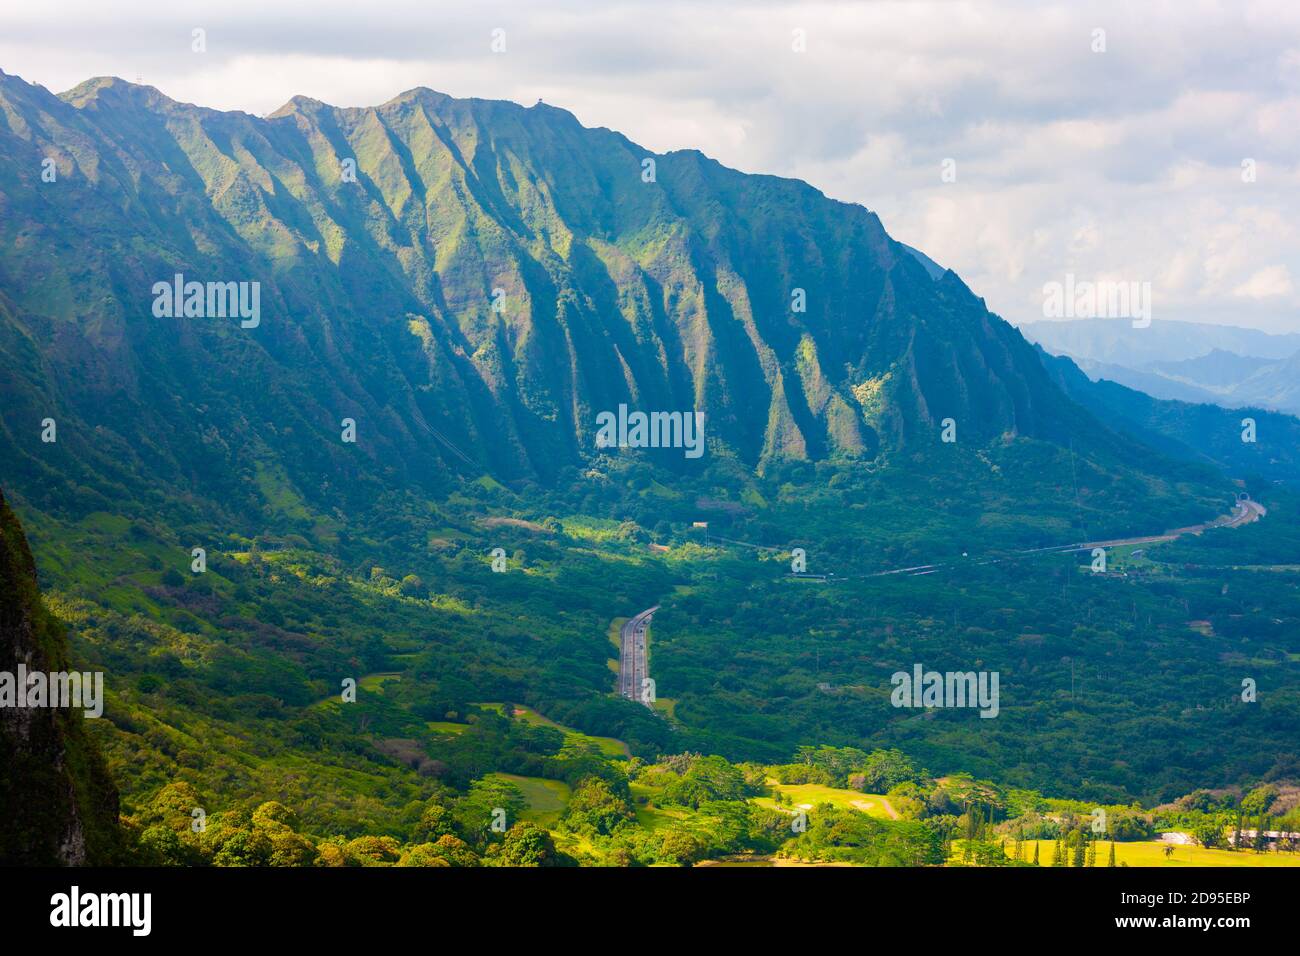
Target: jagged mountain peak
pixel 113 91
pixel 491 274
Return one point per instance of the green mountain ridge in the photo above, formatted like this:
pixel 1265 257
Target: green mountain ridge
pixel 377 299
pixel 1187 430
pixel 328 560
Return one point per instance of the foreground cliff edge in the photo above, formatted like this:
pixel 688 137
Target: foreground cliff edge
pixel 58 804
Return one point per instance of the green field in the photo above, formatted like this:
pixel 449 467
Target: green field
pixel 666 705
pixel 367 684
pixel 1152 853
pixel 615 638
pixel 375 682
pixel 649 815
pixel 445 727
pixel 805 796
pixel 607 745
pixel 615 634
pixel 546 799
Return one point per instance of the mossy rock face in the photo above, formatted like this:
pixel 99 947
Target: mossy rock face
pixel 57 802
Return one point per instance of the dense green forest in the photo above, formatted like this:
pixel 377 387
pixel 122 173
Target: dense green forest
pixel 226 687
pixel 353 573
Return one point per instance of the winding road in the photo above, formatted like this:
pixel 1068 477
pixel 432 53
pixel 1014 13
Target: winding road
pixel 1243 512
pixel 633 668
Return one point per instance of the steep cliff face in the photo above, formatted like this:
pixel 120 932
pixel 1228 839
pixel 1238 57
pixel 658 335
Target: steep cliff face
pixel 472 282
pixel 57 802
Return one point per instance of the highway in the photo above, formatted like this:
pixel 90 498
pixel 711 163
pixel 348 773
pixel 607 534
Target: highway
pixel 1243 512
pixel 632 666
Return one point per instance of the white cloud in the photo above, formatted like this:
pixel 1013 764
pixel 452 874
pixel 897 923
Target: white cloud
pixel 1266 284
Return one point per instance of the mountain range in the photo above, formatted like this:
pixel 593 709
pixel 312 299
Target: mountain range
pixel 1182 361
pixel 471 283
pixel 351 352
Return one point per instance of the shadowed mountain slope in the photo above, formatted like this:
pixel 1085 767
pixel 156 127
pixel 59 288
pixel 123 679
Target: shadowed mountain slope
pixel 471 282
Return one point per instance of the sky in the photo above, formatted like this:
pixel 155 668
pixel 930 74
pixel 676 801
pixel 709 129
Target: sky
pixel 1018 143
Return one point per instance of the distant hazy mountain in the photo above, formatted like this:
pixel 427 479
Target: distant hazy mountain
pixel 1153 383
pixel 1182 361
pixel 1116 341
pixel 1215 369
pixel 1276 385
pixel 1201 432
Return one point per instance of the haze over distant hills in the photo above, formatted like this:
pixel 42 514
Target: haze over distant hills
pixel 1183 361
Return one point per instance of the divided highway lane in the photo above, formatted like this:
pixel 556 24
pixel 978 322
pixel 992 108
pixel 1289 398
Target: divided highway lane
pixel 1243 512
pixel 632 667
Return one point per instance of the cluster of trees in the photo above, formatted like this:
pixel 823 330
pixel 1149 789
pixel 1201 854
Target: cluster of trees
pixel 700 809
pixel 983 815
pixel 1077 847
pixel 1225 818
pixel 839 835
pixel 876 772
pixel 1102 678
pixel 976 840
pixel 174 829
pixel 688 807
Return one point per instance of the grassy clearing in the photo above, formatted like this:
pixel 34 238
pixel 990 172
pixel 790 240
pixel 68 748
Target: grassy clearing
pixel 615 627
pixel 445 727
pixel 1152 853
pixel 614 632
pixel 649 815
pixel 805 796
pixel 608 746
pixel 368 683
pixel 546 799
pixel 593 530
pixel 375 682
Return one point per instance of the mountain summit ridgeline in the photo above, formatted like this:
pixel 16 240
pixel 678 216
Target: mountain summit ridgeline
pixel 470 282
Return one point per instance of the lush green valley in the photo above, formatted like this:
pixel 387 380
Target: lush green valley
pixel 353 644
pixel 226 685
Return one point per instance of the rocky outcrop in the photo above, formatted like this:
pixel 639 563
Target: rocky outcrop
pixel 57 802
